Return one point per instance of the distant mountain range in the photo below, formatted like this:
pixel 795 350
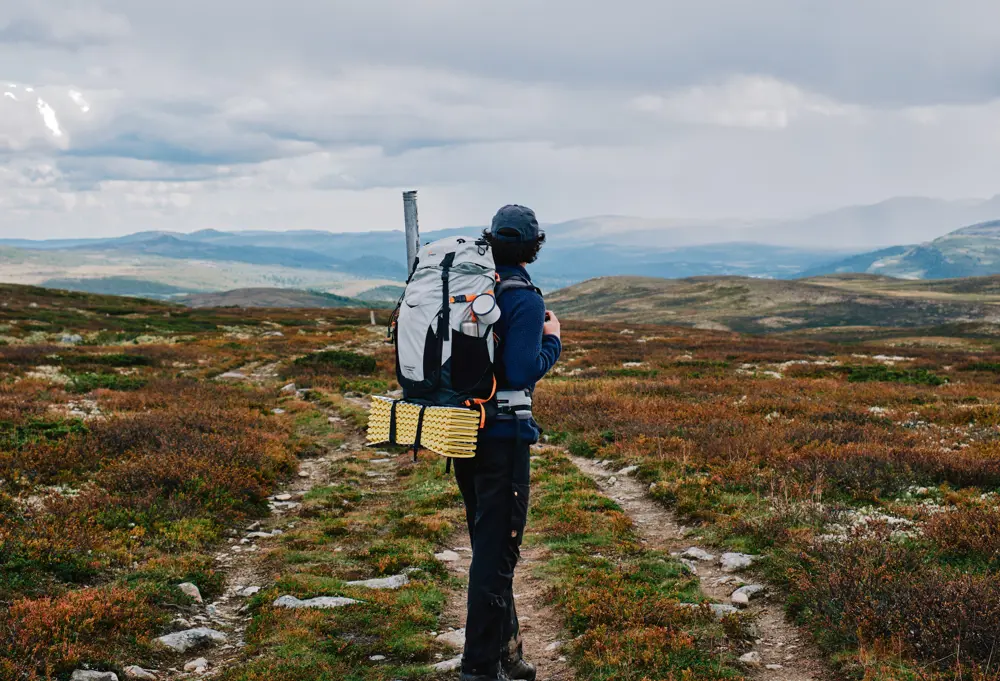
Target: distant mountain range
pixel 968 252
pixel 351 263
pixel 371 265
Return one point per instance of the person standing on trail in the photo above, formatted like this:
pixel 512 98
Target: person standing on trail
pixel 494 484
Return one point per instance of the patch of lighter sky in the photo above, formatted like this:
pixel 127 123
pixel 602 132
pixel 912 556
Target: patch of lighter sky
pixel 49 117
pixel 79 100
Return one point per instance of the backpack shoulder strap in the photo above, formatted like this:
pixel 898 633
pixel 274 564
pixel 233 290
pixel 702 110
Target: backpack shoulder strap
pixel 512 282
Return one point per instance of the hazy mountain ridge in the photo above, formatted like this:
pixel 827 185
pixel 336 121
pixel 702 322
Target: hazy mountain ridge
pixel 972 251
pixel 348 263
pixel 572 254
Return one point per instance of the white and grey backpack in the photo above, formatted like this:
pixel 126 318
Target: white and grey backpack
pixel 444 350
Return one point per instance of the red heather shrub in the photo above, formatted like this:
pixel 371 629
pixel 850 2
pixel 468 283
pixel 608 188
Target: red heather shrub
pixel 100 627
pixel 971 532
pixel 874 592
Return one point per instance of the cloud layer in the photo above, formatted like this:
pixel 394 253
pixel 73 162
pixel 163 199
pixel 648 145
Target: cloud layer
pixel 117 116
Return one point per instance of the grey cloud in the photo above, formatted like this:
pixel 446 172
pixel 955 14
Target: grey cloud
pixel 244 113
pixel 60 24
pixel 876 51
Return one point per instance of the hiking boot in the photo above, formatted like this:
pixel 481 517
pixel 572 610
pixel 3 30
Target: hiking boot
pixel 519 670
pixel 496 675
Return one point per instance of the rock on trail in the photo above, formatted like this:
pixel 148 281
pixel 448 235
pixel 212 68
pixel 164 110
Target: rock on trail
pixel 323 602
pixel 742 596
pixel 191 591
pixel 394 582
pixel 694 553
pixel 182 641
pixel 733 562
pixel 87 675
pixel 455 639
pixel 448 665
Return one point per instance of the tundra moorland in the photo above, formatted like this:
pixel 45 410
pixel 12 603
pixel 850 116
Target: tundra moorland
pixel 145 446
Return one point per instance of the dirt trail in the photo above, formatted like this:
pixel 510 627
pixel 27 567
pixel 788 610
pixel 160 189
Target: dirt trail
pixel 541 626
pixel 786 653
pixel 241 560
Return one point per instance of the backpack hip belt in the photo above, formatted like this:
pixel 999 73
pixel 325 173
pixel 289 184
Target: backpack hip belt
pixel 514 404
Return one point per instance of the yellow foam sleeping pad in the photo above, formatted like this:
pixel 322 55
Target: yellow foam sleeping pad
pixel 449 431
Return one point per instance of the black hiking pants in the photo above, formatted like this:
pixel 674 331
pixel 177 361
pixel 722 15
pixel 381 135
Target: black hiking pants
pixel 494 486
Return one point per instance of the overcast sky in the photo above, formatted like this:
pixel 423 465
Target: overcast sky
pixel 124 115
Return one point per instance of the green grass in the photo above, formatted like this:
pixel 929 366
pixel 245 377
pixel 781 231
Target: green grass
pixel 620 599
pixel 17 435
pixel 353 529
pixel 88 382
pixel 118 360
pixel 879 372
pixel 340 359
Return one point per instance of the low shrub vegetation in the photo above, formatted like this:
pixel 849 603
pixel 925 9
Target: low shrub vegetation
pixel 868 476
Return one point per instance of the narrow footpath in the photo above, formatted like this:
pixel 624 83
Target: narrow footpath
pixel 783 652
pixel 541 626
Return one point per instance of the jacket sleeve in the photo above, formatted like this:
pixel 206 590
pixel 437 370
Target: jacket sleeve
pixel 527 354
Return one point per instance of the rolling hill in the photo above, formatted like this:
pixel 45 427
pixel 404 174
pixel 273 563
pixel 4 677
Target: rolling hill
pixel 273 298
pixel 767 306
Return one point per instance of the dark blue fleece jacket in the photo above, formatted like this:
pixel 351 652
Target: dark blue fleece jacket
pixel 524 355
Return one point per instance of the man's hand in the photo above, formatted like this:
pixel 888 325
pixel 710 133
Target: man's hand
pixel 551 326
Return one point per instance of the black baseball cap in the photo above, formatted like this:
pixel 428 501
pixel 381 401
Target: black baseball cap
pixel 515 224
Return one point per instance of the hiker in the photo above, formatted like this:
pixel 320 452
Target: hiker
pixel 494 484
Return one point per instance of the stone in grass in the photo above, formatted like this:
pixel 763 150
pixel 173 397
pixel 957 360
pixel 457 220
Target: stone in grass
pixel 751 659
pixel 182 641
pixel 719 610
pixel 448 665
pixel 731 562
pixel 249 591
pixel 290 388
pixel 447 556
pixel 694 553
pixel 137 673
pixel 323 602
pixel 197 666
pixel 394 582
pixel 628 470
pixel 376 658
pixel 745 594
pixel 191 591
pixel 87 675
pixel 260 535
pixel 455 639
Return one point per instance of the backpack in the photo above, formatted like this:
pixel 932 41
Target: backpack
pixel 444 355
